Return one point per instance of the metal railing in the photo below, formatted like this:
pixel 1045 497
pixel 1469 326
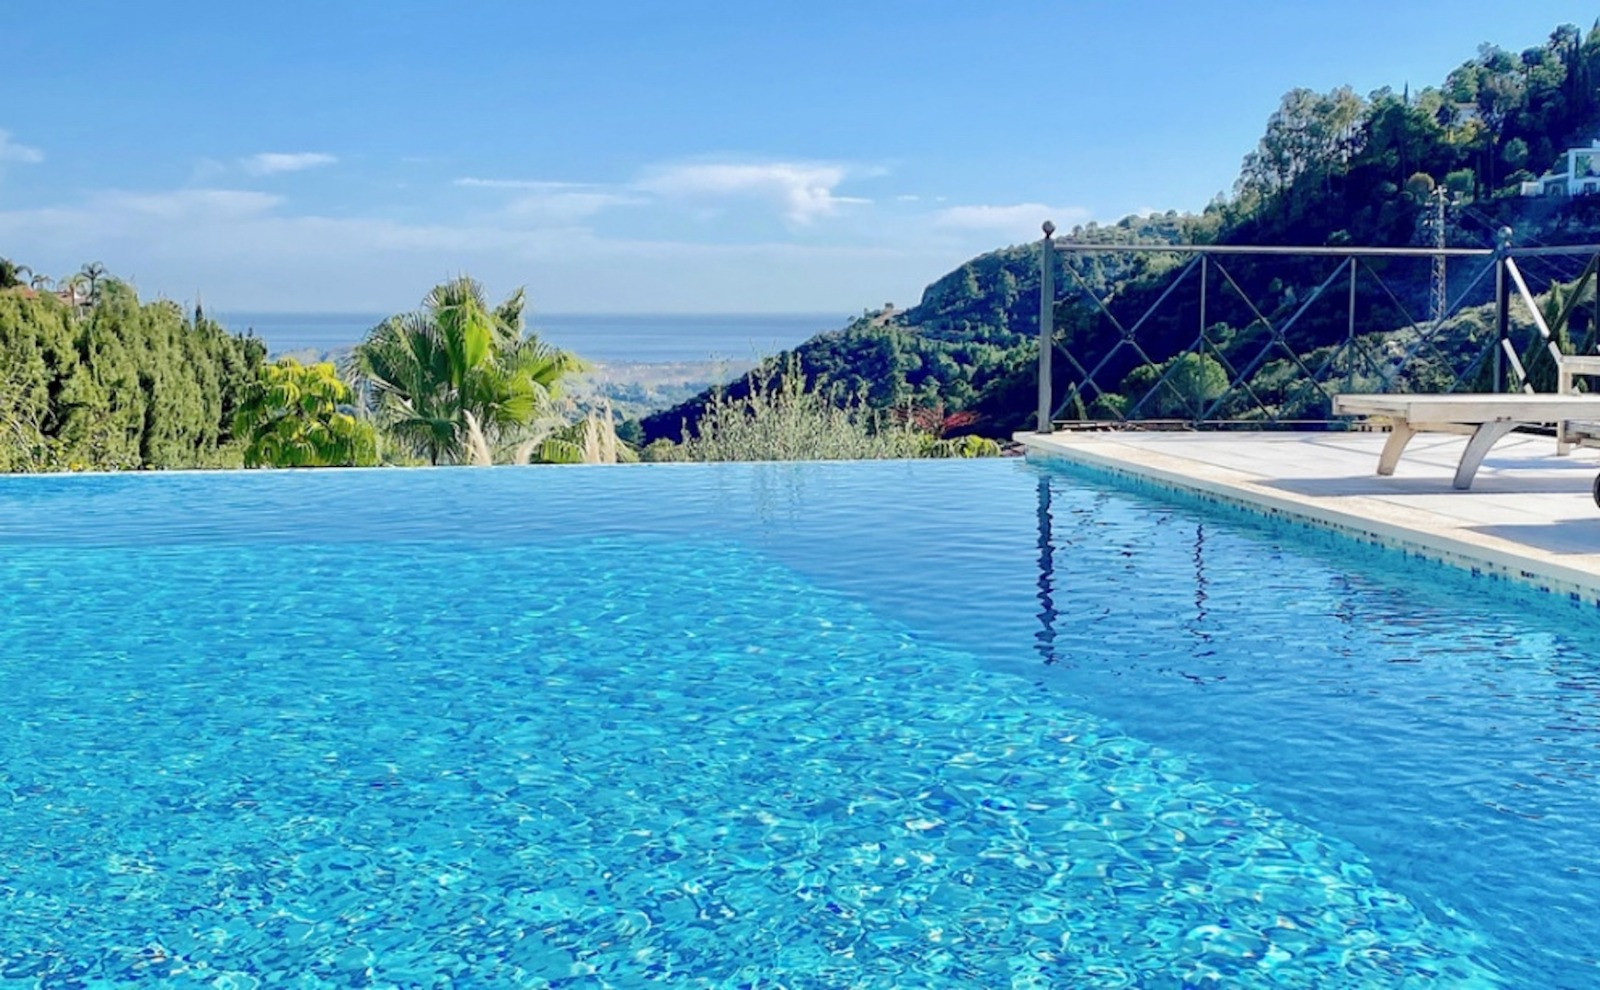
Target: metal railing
pixel 1224 357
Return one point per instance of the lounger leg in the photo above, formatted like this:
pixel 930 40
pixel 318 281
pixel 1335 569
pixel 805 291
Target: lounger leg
pixel 1399 436
pixel 1486 436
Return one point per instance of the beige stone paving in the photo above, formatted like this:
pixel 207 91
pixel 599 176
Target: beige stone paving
pixel 1529 514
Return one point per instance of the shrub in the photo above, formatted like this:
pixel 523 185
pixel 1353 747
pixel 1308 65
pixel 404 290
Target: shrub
pixel 294 415
pixel 785 419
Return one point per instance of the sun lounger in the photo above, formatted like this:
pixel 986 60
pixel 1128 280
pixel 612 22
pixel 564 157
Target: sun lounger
pixel 1484 417
pixel 1577 431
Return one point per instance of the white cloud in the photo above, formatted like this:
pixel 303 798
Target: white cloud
pixel 257 250
pixel 11 151
pixel 1021 218
pixel 907 198
pixel 249 250
pixel 545 201
pixel 207 170
pixel 182 203
pixel 540 185
pixel 273 162
pixel 565 207
pixel 803 190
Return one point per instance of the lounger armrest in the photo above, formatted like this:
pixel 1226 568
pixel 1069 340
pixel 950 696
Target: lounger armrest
pixel 1576 364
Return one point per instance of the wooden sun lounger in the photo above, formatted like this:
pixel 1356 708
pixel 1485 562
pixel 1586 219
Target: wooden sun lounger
pixel 1484 417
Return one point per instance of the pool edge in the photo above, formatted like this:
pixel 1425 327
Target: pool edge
pixel 1472 555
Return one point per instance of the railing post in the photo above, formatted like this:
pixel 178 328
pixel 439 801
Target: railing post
pixel 1502 306
pixel 1200 342
pixel 1350 333
pixel 1047 324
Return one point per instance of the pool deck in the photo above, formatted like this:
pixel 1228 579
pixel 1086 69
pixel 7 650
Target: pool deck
pixel 1528 517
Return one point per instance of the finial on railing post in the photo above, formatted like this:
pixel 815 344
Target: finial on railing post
pixel 1047 328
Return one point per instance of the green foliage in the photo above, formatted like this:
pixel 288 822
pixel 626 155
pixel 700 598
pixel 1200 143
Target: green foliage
pixel 592 439
pixel 12 274
pixel 663 450
pixel 1108 406
pixel 1420 186
pixel 297 416
pixel 967 446
pixel 1515 153
pixel 456 382
pixel 1308 137
pixel 1461 182
pixel 114 384
pixel 1556 309
pixel 1183 387
pixel 782 419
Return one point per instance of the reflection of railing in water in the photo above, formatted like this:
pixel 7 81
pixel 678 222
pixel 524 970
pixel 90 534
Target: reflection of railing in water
pixel 1259 378
pixel 1049 615
pixel 1201 586
pixel 1045 638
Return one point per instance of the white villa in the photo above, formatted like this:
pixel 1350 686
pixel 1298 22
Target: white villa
pixel 1581 177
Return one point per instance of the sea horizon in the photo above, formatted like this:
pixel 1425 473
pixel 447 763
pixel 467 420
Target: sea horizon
pixel 647 338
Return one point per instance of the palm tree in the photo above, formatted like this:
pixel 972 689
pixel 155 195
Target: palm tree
pixel 456 379
pixel 93 273
pixel 40 282
pixel 12 274
pixel 77 288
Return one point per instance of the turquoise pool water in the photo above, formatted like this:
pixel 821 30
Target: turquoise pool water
pixel 931 724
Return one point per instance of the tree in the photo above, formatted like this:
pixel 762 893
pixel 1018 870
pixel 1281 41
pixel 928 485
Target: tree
pixel 1420 186
pixel 120 385
pixel 1401 133
pixel 457 381
pixel 77 288
pixel 12 274
pixel 93 273
pixel 298 416
pixel 1192 383
pixel 1310 135
pixel 1515 153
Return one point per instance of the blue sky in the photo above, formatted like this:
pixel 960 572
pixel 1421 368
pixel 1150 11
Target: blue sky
pixel 679 156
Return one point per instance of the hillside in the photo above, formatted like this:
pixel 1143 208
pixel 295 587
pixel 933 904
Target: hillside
pixel 1330 168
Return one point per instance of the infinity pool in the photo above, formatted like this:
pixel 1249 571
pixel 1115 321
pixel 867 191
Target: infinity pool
pixel 928 724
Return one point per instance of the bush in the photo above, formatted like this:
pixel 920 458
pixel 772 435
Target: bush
pixel 783 419
pixel 293 415
pixel 105 382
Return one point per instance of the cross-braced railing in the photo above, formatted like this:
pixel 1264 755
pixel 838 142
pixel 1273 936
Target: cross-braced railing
pixel 1220 354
